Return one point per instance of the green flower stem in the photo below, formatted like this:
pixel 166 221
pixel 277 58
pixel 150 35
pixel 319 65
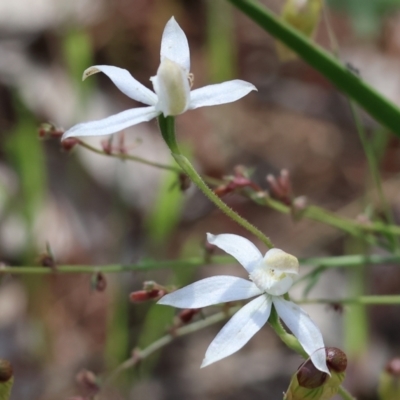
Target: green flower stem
pixel 114 268
pixel 373 169
pixel 339 74
pixel 198 181
pixel 345 394
pixel 362 300
pixel 165 340
pixel 123 156
pixel 168 132
pixel 286 338
pixel 167 128
pixel 348 261
pixel 319 214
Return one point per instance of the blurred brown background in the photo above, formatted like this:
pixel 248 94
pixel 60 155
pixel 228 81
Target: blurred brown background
pixel 95 210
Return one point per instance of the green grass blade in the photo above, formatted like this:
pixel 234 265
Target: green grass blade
pixel 379 107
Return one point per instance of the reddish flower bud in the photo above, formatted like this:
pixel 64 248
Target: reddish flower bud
pixel 69 143
pixel 310 377
pixel 100 282
pixel 145 295
pixel 184 182
pixel 281 187
pixel 187 315
pixel 393 367
pixel 336 359
pixel 6 371
pixel 47 131
pixel 88 381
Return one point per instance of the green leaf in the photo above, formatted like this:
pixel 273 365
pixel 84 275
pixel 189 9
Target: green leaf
pixel 339 74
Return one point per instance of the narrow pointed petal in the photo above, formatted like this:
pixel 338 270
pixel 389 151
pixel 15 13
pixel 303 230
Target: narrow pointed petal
pixel 221 93
pixel 239 330
pixel 239 247
pixel 307 333
pixel 174 45
pixel 125 82
pixel 112 124
pixel 210 291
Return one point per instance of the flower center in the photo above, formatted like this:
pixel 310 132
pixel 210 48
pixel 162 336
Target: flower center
pixel 275 273
pixel 171 84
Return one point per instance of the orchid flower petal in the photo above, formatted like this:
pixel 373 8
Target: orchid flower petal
pixel 239 330
pixel 220 93
pixel 112 124
pixel 125 82
pixel 305 330
pixel 210 291
pixel 174 45
pixel 239 247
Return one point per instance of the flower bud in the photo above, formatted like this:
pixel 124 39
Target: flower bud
pixel 185 316
pixel 47 131
pixel 69 143
pixel 389 381
pixel 310 377
pixel 6 371
pixel 99 282
pixel 88 381
pixel 336 359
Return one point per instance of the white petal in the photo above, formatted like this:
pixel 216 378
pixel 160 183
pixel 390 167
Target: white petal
pixel 307 333
pixel 210 291
pixel 125 82
pixel 272 282
pixel 174 45
pixel 221 93
pixel 239 330
pixel 112 124
pixel 239 247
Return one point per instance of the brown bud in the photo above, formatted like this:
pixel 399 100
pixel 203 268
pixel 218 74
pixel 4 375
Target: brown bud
pixel 184 182
pixel 88 381
pixel 6 371
pixel 69 143
pixel 336 359
pixel 393 367
pixel 145 295
pixel 310 377
pixel 48 130
pixel 187 315
pixel 100 282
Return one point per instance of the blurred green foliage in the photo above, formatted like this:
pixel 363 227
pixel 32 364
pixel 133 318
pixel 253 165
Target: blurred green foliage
pixel 366 14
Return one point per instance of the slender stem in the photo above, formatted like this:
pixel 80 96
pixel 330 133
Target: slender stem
pixel 123 156
pixel 362 300
pixel 167 128
pixel 163 341
pixel 348 261
pixel 345 394
pixel 286 338
pixel 198 181
pixel 373 167
pixel 377 105
pixel 168 132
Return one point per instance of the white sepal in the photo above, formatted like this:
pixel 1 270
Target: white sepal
pixel 112 124
pixel 239 247
pixel 210 291
pixel 220 93
pixel 174 45
pixel 239 330
pixel 125 82
pixel 306 332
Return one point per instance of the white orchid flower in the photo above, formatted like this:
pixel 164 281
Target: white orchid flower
pixel 171 86
pixel 271 277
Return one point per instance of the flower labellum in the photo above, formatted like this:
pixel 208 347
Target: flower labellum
pixel 172 83
pixel 271 276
